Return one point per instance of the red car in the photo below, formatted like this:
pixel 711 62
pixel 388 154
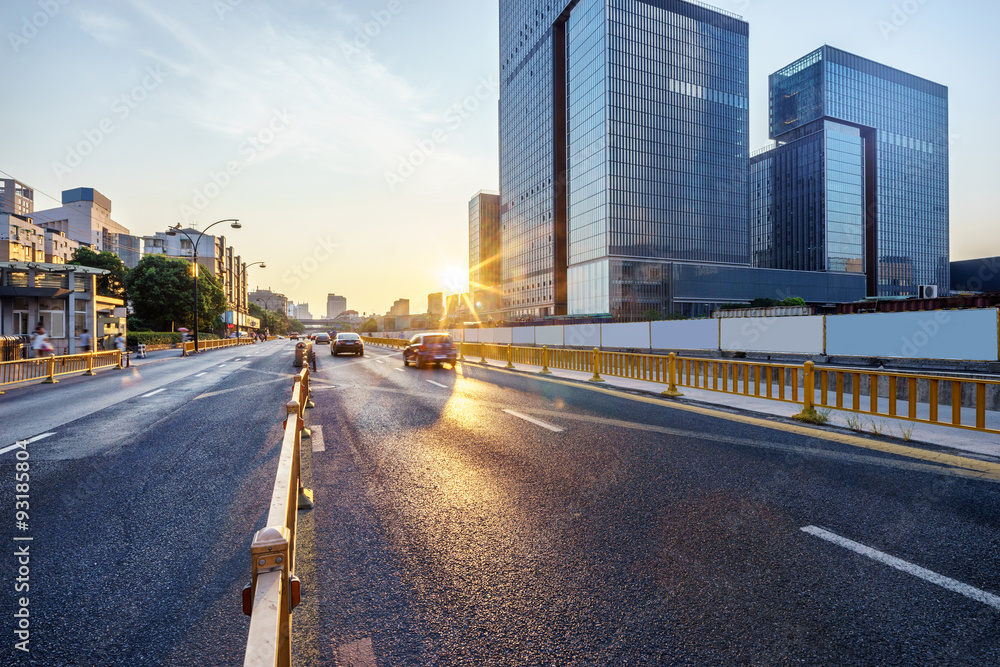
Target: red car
pixel 430 348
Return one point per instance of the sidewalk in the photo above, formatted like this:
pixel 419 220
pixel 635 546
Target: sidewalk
pixel 983 444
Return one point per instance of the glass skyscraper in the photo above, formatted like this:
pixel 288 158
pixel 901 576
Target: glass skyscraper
pixel 623 143
pixel 807 200
pixel 484 252
pixel 902 123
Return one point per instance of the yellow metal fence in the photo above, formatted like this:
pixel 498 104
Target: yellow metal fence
pixel 929 399
pixel 274 589
pixel 205 345
pixel 50 367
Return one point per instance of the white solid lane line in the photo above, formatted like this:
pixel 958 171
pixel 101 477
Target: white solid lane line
pixel 154 393
pixel 438 384
pixel 26 442
pixel 917 571
pixel 536 422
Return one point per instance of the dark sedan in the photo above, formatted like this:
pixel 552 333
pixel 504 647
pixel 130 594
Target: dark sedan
pixel 348 343
pixel 430 348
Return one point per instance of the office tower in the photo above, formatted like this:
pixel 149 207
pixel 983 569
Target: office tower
pixel 807 200
pixel 902 123
pixel 484 253
pixel 335 305
pixel 623 146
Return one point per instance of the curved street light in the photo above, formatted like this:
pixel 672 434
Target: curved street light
pixel 173 231
pixel 244 276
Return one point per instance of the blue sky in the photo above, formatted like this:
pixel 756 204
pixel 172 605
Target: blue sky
pixel 349 136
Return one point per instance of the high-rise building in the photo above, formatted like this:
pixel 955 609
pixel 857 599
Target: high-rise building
pixel 302 312
pixel 624 141
pixel 435 305
pixel 485 276
pixel 85 217
pixel 16 197
pixel 899 122
pixel 807 200
pixel 335 305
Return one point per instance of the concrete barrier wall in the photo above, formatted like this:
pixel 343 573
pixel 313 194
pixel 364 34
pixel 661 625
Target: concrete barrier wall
pixel 582 335
pixel 773 335
pixel 634 335
pixel 503 336
pixel 551 336
pixel 967 335
pixel 523 335
pixel 685 335
pixel 472 335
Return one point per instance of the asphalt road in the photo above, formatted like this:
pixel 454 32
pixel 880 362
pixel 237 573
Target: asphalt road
pixel 448 531
pixel 478 517
pixel 143 502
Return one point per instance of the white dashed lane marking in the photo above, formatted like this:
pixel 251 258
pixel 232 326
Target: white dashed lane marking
pixel 903 566
pixel 20 444
pixel 154 393
pixel 536 422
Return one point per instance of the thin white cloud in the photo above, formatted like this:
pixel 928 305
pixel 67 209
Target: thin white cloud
pixel 108 29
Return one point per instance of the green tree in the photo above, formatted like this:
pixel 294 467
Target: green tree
pixel 370 326
pixel 112 284
pixel 162 292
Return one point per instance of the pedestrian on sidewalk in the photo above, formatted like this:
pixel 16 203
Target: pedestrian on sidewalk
pixel 84 340
pixel 40 345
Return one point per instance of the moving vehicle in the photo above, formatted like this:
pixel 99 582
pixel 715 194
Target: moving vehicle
pixel 430 348
pixel 293 336
pixel 322 339
pixel 348 343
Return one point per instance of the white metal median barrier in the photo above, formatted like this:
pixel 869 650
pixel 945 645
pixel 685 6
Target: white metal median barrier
pixel 274 589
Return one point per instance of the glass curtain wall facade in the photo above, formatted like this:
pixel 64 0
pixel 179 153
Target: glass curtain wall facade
pixel 484 252
pixel 623 134
pixel 532 242
pixel 904 122
pixel 807 197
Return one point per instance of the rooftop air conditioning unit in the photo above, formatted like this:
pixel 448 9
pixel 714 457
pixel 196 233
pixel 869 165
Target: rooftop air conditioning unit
pixel 928 291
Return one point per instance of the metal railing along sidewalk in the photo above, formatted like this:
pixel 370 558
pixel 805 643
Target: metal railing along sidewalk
pixel 937 400
pixel 49 367
pixel 274 590
pixel 188 347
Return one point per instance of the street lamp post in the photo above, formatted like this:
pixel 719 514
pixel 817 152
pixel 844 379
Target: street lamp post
pixel 173 231
pixel 245 267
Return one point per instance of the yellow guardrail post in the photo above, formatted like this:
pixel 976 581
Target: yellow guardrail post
pixel 672 377
pixel 51 366
pixel 809 381
pixel 90 364
pixel 545 361
pixel 510 355
pixel 482 353
pixel 461 351
pixel 596 363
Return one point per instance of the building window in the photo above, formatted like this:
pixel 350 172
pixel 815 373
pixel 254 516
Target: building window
pixel 22 327
pixel 52 314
